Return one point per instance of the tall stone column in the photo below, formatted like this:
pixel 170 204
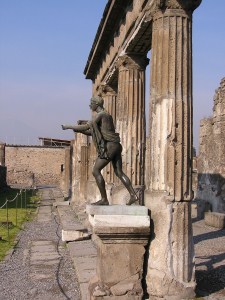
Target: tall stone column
pixel 171 260
pixel 110 97
pixel 130 110
pixel 80 162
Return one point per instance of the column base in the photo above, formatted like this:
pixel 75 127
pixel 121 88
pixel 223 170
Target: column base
pixel 170 272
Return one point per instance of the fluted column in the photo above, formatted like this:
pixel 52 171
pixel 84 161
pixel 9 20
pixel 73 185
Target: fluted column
pixel 171 104
pixel 110 97
pixel 171 260
pixel 130 111
pixel 80 161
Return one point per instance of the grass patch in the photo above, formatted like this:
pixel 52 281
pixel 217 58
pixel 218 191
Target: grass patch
pixel 18 212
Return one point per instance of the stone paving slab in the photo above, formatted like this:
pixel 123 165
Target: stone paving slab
pixel 44 214
pixel 82 248
pixel 44 259
pixel 84 256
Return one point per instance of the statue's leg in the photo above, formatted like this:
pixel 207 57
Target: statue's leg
pixel 100 163
pixel 117 165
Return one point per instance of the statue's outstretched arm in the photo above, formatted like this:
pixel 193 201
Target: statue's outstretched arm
pixel 85 129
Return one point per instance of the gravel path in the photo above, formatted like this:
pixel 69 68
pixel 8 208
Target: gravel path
pixel 40 267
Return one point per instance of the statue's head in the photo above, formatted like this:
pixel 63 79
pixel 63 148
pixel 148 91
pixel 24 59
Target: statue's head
pixel 95 102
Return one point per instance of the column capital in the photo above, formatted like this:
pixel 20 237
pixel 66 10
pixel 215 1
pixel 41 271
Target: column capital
pixel 172 7
pixel 105 89
pixel 132 61
pixel 187 5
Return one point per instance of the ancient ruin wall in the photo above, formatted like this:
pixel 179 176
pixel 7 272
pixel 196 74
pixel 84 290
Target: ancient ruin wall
pixel 44 164
pixel 211 161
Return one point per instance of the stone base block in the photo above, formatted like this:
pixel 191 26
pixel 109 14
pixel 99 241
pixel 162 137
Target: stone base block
pixel 70 235
pixel 215 219
pixel 119 272
pixel 61 203
pixel 125 297
pixel 170 270
pixel 121 234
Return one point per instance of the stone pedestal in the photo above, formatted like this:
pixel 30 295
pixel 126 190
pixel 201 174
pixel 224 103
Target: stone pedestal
pixel 121 234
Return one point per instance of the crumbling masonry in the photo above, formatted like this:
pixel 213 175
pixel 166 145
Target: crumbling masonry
pixel 211 166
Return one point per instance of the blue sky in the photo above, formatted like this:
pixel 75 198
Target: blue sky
pixel 44 46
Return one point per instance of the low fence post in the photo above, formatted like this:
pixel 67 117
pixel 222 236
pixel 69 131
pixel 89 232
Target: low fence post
pixel 7 219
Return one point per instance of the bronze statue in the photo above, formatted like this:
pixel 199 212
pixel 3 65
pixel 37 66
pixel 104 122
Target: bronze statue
pixel 107 143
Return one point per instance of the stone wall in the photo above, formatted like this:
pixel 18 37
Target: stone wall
pixel 35 165
pixel 211 160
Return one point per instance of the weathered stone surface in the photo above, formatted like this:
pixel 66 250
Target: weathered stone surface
pixel 194 210
pixel 116 262
pixel 127 285
pixel 74 235
pixel 61 203
pixel 123 297
pixel 135 210
pixel 120 241
pixel 130 117
pixel 171 253
pixel 82 248
pixel 171 100
pixel 83 254
pixel 211 168
pixel 34 165
pixel 120 221
pixel 215 219
pixel 44 258
pixel 72 229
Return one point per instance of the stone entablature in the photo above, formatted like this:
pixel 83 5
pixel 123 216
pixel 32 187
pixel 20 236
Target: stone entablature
pixel 211 164
pixel 127 29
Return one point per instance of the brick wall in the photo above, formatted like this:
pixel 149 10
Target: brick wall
pixel 43 165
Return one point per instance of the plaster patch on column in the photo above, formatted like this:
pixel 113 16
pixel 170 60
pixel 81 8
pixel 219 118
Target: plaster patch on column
pixel 162 126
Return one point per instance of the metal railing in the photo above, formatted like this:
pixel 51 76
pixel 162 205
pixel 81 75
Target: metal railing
pixel 21 204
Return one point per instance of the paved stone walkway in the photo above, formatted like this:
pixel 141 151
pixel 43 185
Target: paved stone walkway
pixel 41 267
